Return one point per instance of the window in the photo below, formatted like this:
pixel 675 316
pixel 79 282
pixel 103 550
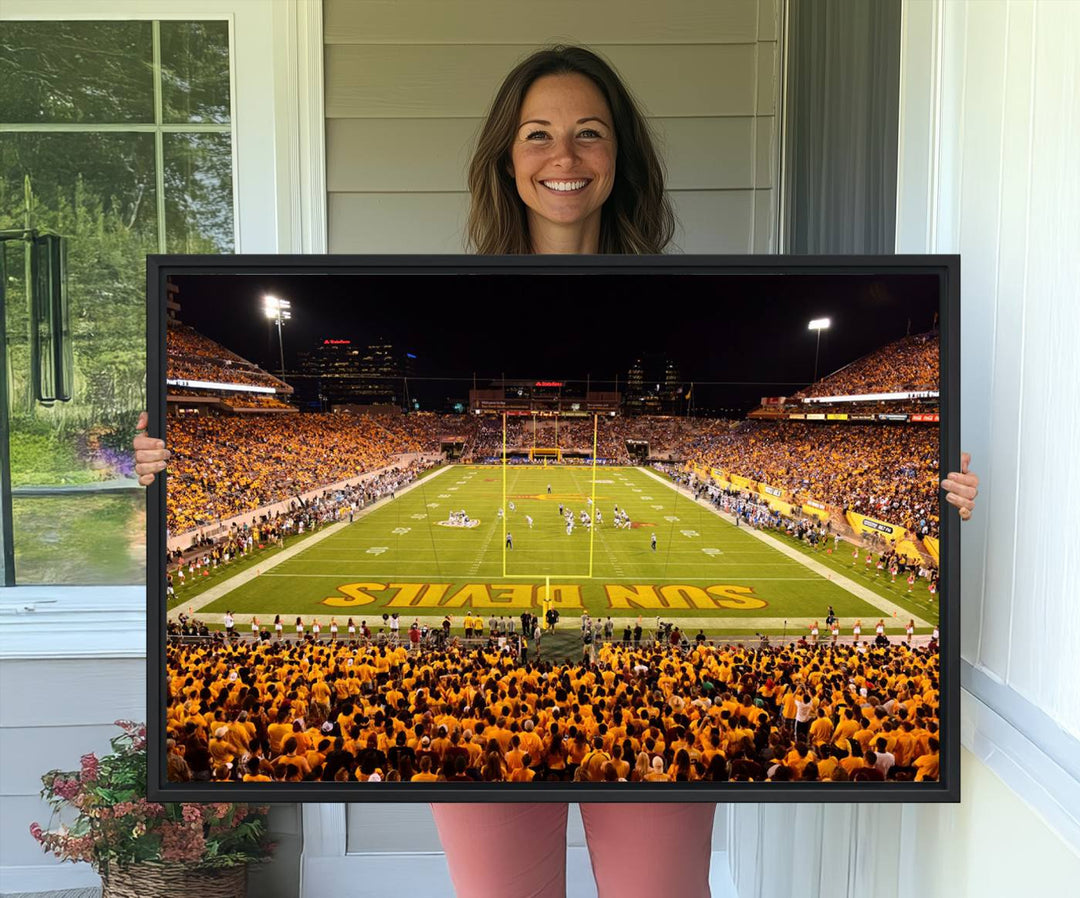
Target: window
pixel 116 135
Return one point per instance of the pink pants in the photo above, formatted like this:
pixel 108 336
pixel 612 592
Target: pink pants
pixel 519 850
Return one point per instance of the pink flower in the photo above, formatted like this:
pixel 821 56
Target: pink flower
pixel 181 842
pixel 37 832
pixel 192 813
pixel 65 788
pixel 89 767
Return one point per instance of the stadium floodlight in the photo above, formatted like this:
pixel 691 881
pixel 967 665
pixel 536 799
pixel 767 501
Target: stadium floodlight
pixel 819 325
pixel 278 310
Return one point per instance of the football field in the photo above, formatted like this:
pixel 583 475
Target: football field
pixel 403 555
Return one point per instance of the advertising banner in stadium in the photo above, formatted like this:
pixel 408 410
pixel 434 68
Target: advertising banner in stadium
pixel 863 524
pixel 378 593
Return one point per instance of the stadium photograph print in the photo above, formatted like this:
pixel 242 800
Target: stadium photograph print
pixel 638 627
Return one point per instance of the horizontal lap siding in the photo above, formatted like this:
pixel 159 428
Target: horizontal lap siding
pixel 408 84
pixel 596 22
pixel 52 713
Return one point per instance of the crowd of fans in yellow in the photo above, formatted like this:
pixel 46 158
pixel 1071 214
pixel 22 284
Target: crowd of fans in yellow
pixel 263 710
pixel 889 472
pixel 223 466
pixel 191 356
pixel 908 365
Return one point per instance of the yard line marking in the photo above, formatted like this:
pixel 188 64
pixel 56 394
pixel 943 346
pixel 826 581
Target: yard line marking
pixel 483 551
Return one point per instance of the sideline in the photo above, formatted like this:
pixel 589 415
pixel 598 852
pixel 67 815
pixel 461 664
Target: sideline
pixel 235 582
pixel 887 608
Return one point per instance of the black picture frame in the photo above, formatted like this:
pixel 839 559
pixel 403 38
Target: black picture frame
pixel 945 267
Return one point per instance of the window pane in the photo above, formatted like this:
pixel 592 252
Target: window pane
pixel 83 540
pixel 198 193
pixel 97 190
pixel 76 72
pixel 195 72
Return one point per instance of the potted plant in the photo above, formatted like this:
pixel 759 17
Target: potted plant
pixel 142 848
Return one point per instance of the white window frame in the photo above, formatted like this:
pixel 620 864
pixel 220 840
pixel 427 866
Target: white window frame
pixel 279 201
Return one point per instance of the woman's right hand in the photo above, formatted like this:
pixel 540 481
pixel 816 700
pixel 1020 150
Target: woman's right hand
pixel 150 453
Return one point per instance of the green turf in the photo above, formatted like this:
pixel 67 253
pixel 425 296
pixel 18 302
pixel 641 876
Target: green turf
pixel 397 558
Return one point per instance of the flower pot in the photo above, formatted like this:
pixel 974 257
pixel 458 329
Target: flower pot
pixel 172 880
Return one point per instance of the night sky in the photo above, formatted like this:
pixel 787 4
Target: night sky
pixel 737 337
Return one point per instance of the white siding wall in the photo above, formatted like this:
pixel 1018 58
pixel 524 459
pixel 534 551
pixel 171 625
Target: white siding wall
pixel 989 137
pixel 53 712
pixel 408 83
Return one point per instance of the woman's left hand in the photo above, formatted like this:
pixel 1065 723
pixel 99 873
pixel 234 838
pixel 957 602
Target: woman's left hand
pixel 961 487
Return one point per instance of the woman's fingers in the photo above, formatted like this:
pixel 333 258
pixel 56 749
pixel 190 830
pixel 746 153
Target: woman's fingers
pixel 962 487
pixel 959 501
pixel 150 453
pixel 964 506
pixel 965 485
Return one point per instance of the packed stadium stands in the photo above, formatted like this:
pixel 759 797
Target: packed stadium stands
pixel 278 710
pixel 191 356
pixel 223 466
pixel 906 365
pixel 890 472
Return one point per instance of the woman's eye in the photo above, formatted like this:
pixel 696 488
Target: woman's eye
pixel 536 135
pixel 589 132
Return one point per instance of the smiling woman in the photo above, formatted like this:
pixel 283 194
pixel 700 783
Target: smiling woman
pixel 565 163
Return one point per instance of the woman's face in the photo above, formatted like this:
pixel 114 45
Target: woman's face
pixel 563 154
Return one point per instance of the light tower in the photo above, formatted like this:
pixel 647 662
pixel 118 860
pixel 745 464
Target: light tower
pixel 819 325
pixel 278 310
